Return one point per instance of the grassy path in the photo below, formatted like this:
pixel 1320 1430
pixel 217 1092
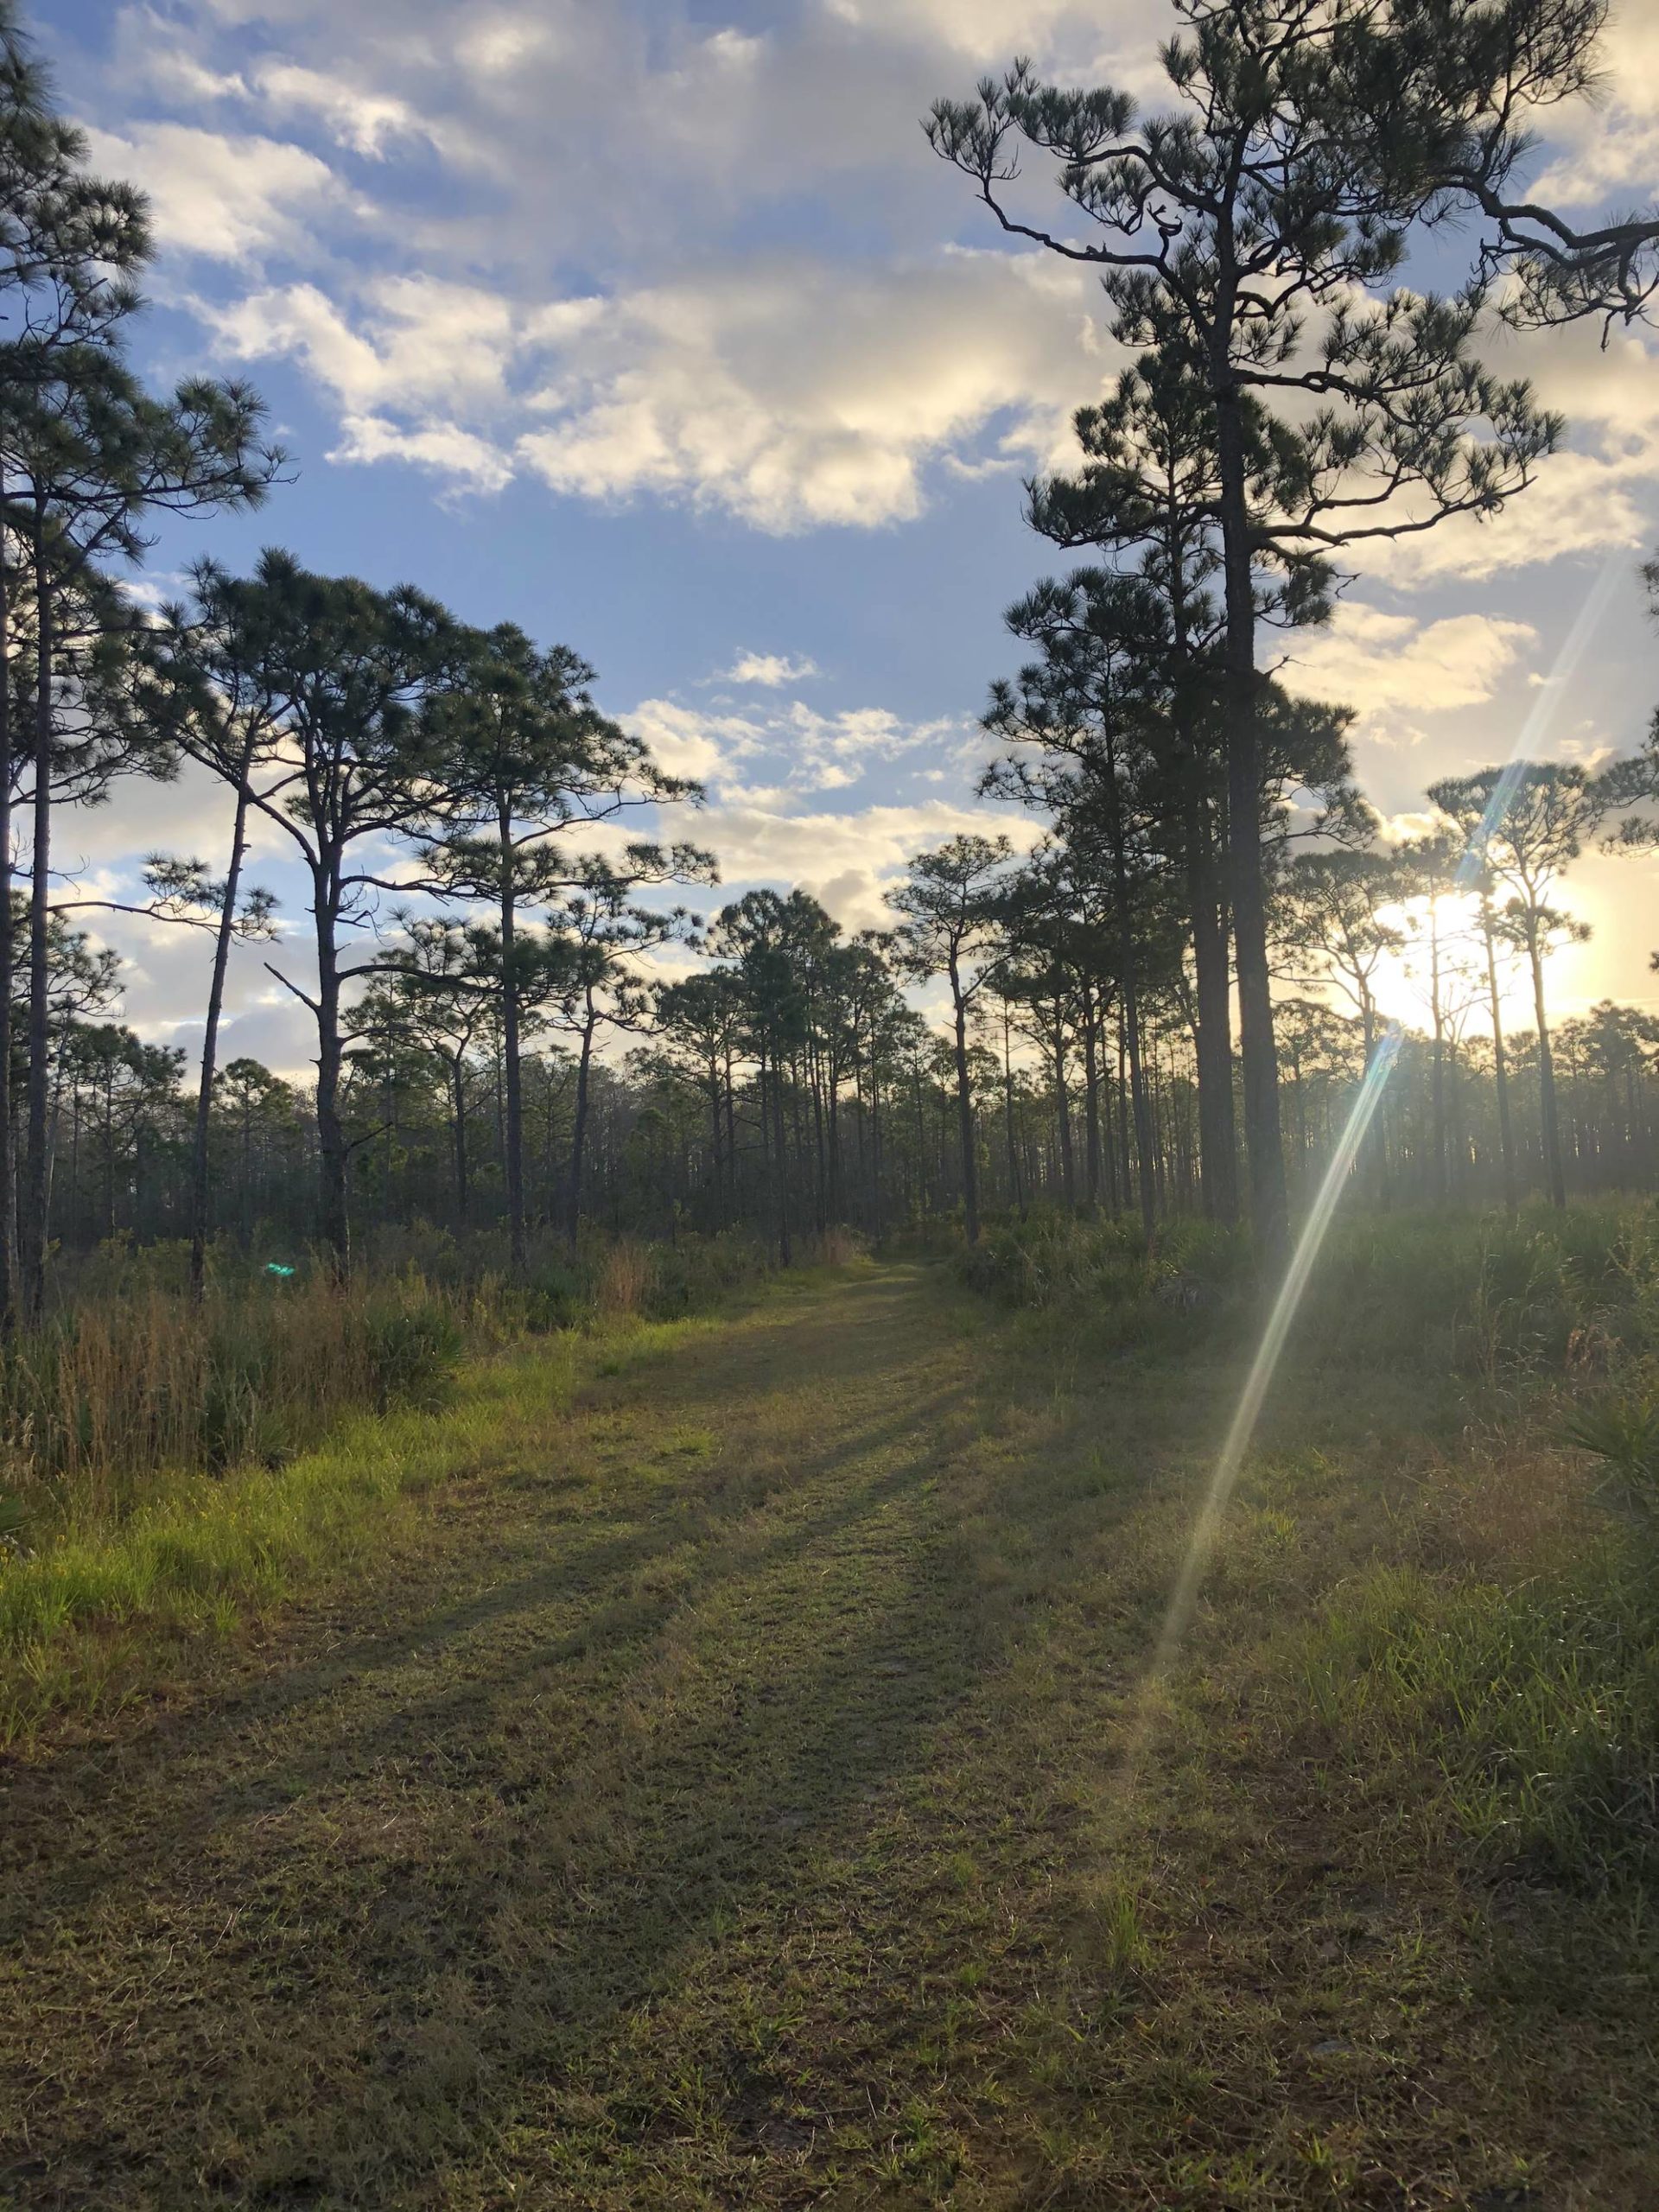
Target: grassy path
pixel 721 1805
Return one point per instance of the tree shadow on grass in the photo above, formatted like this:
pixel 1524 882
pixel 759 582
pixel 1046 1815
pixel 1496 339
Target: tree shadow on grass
pixel 427 1915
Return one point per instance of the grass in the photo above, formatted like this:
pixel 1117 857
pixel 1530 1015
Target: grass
pixel 718 1777
pixel 129 1393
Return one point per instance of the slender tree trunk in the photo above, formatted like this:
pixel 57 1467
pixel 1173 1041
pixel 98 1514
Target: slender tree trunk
pixel 1129 1002
pixel 1090 1095
pixel 1500 1068
pixel 1437 1176
pixel 1379 1139
pixel 513 1138
pixel 458 1092
pixel 579 1129
pixel 716 1162
pixel 1548 1113
pixel 965 1111
pixel 1063 1112
pixel 780 1164
pixel 1212 1042
pixel 40 1011
pixel 875 1138
pixel 335 1217
pixel 1014 1194
pixel 1126 1163
pixel 1269 1205
pixel 8 960
pixel 820 1183
pixel 201 1183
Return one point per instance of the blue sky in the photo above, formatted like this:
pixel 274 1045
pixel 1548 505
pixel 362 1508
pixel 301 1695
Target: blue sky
pixel 656 328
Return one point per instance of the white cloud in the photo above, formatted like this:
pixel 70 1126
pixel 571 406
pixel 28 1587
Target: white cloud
pixel 795 747
pixel 708 747
pixel 1609 148
pixel 368 122
pixel 1393 668
pixel 223 198
pixel 771 671
pixel 796 395
pixel 465 462
pixel 415 340
pixel 847 861
pixel 991 29
pixel 789 395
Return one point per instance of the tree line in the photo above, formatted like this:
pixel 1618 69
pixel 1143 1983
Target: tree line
pixel 498 1041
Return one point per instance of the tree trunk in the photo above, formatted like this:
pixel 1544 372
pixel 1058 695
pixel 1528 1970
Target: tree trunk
pixel 965 1111
pixel 463 1196
pixel 333 1212
pixel 1063 1112
pixel 1270 1209
pixel 1130 1005
pixel 8 957
pixel 1017 1200
pixel 40 1013
pixel 513 1136
pixel 1212 1041
pixel 779 1163
pixel 579 1129
pixel 1548 1116
pixel 1437 1076
pixel 200 1186
pixel 1500 1070
pixel 1090 1095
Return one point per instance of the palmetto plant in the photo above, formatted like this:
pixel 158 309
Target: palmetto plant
pixel 1623 1433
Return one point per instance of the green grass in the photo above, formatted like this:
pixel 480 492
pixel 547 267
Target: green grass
pixel 718 1773
pixel 87 1622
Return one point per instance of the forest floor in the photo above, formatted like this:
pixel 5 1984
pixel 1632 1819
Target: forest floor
pixel 732 1788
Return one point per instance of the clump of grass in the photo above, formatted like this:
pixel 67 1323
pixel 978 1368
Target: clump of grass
pixel 625 1278
pixel 834 1247
pixel 1537 1706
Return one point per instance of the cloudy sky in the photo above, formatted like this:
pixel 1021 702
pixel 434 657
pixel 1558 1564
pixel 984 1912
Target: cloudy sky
pixel 653 325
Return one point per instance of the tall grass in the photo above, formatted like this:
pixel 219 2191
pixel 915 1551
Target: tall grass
pixel 1573 1292
pixel 116 1396
pixel 129 1388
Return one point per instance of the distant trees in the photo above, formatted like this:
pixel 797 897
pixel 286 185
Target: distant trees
pixel 1529 822
pixel 347 677
pixel 523 753
pixel 947 914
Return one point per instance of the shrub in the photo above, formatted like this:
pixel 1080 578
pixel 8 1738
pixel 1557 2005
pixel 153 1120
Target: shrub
pixel 414 1356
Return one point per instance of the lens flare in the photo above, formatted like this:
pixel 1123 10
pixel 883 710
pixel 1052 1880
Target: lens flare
pixel 1224 1480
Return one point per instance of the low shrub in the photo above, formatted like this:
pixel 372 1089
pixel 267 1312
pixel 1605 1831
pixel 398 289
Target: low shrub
pixel 1622 1432
pixel 414 1352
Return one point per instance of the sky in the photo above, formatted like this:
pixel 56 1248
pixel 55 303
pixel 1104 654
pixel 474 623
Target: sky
pixel 654 326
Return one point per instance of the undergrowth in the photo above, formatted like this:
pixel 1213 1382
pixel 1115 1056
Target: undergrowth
pixel 1513 1696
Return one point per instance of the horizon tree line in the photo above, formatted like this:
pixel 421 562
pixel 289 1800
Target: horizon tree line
pixel 1287 401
